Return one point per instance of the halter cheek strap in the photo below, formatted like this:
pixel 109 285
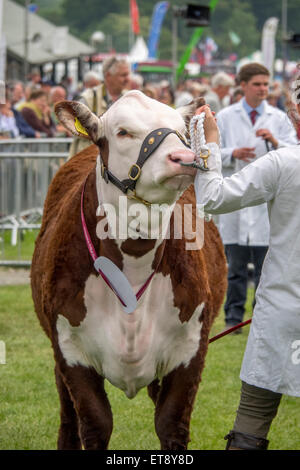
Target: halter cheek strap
pixel 149 145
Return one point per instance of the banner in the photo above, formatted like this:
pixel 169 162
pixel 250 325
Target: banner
pixel 134 12
pixel 193 42
pixel 268 43
pixel 159 12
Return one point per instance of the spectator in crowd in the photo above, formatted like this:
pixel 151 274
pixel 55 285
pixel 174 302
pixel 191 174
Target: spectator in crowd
pixel 46 85
pixel 25 129
pixel 136 81
pixel 116 73
pixel 237 95
pixel 67 83
pixel 197 89
pixel 221 83
pixel 182 95
pixel 150 90
pixel 17 94
pixel 248 128
pixel 37 113
pixel 58 93
pixel 166 96
pixel 8 125
pixel 34 78
pixel 91 79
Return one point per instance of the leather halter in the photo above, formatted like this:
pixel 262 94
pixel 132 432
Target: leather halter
pixel 149 145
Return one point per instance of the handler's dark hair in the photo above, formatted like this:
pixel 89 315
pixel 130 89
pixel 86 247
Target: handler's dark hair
pixel 249 70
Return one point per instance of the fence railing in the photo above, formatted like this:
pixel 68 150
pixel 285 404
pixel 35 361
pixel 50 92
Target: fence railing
pixel 26 168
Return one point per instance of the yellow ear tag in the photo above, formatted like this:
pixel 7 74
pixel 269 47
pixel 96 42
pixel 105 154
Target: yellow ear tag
pixel 79 127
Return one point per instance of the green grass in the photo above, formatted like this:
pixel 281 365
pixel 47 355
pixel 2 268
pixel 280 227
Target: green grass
pixel 23 250
pixel 29 408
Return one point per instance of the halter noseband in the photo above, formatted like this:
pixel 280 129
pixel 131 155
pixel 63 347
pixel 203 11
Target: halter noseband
pixel 149 145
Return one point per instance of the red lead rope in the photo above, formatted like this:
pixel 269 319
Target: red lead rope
pixel 230 330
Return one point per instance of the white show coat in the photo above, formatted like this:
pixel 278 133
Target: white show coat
pixel 272 356
pixel 249 226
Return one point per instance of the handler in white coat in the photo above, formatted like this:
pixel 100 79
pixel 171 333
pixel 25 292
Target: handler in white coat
pixel 248 129
pixel 271 364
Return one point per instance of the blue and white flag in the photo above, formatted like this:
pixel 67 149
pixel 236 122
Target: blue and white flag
pixel 159 12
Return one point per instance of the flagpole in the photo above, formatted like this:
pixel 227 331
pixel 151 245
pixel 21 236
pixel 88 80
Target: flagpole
pixel 26 40
pixel 130 32
pixel 174 42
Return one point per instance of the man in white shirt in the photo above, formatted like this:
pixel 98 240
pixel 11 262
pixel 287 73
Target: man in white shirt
pixel 248 129
pixel 271 364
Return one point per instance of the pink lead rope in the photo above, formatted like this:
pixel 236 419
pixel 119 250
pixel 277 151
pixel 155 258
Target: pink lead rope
pixel 94 256
pixel 140 292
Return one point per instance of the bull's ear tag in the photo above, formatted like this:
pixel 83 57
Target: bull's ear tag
pixel 118 282
pixel 79 127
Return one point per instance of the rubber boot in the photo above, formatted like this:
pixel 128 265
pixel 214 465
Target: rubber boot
pixel 241 441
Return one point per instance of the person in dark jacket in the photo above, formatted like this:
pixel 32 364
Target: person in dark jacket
pixel 24 128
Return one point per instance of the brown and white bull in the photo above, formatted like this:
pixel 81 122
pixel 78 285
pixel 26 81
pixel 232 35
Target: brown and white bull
pixel 160 345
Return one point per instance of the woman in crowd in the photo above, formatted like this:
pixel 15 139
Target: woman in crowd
pixel 37 113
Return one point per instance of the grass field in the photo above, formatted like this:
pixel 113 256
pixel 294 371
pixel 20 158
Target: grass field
pixel 29 410
pixel 23 250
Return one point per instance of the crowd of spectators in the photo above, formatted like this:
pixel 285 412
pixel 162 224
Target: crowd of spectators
pixel 29 108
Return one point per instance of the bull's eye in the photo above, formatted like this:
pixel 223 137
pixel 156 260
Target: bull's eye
pixel 122 133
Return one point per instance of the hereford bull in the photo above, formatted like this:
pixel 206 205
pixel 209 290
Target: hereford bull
pixel 160 345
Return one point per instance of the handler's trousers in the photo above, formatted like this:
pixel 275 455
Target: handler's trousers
pixel 238 257
pixel 257 409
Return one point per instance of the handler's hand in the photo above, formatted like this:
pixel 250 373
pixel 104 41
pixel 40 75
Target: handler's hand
pixel 244 153
pixel 210 126
pixel 267 135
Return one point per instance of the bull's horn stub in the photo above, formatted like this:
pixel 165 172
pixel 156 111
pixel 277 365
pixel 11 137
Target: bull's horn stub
pixel 79 127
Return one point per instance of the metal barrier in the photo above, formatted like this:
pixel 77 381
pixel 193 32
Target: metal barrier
pixel 26 168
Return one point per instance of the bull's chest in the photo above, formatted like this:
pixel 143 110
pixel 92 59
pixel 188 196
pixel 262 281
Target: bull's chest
pixel 130 350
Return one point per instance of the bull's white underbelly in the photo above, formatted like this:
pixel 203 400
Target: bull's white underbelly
pixel 130 350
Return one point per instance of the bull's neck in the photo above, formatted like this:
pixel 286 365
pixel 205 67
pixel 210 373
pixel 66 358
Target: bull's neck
pixel 132 234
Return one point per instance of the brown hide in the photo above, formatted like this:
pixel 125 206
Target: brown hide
pixel 62 263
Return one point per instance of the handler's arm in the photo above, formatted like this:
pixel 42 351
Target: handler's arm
pixel 253 185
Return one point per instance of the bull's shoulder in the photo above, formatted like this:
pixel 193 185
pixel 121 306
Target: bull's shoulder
pixel 67 181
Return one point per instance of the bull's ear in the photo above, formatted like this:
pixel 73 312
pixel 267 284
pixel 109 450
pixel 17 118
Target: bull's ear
pixel 80 120
pixel 188 111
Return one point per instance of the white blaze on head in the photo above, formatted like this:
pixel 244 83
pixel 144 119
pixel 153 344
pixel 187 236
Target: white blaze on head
pixel 125 125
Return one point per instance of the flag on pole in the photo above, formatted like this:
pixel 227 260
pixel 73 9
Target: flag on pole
pixel 195 38
pixel 268 43
pixel 32 8
pixel 158 15
pixel 234 38
pixel 134 13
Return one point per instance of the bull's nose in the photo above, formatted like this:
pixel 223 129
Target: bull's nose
pixel 182 155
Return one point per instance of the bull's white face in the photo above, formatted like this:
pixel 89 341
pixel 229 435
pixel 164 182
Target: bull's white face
pixel 126 124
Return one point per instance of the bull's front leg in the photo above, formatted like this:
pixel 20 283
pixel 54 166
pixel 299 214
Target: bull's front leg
pixel 86 389
pixel 174 404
